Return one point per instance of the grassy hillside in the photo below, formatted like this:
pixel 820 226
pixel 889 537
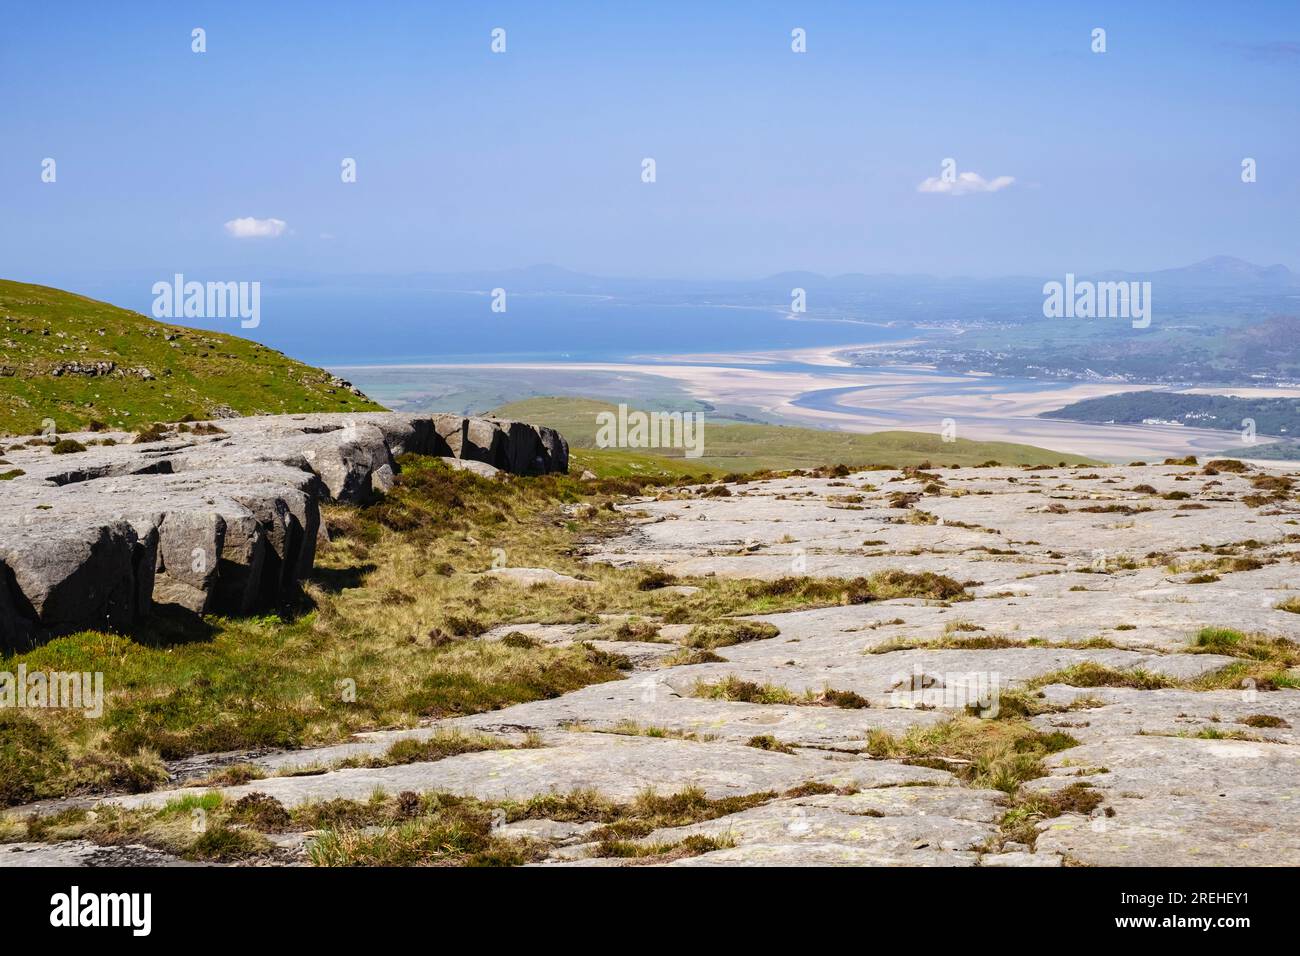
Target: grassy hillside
pixel 1272 416
pixel 1265 451
pixel 189 372
pixel 736 447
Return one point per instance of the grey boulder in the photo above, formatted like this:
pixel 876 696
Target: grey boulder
pixel 219 522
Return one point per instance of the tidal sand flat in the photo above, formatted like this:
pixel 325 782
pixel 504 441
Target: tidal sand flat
pixel 777 387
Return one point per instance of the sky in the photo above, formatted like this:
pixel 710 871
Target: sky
pixel 766 160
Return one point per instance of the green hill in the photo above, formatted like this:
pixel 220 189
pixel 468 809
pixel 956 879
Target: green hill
pixel 737 447
pixel 1272 416
pixel 77 361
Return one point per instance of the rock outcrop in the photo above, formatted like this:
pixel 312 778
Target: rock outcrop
pixel 213 520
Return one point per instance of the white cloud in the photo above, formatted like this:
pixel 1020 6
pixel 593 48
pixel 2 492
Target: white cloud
pixel 965 183
pixel 250 228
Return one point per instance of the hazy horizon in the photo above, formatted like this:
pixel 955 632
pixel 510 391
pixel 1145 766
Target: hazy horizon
pixel 556 269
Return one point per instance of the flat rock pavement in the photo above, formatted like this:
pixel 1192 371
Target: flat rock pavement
pixel 1069 569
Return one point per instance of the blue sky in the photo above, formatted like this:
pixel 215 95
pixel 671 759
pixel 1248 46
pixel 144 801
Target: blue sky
pixel 767 160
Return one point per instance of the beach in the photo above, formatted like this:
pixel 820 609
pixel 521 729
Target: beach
pixel 817 388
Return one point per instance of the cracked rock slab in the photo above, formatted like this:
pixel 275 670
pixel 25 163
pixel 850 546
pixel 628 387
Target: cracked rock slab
pixel 900 826
pixel 84 853
pixel 653 702
pixel 619 767
pixel 1126 711
pixel 1180 802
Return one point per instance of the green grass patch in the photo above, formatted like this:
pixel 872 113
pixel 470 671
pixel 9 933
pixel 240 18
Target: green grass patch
pixel 732 688
pixel 1020 824
pixel 994 754
pixel 768 742
pixel 693 845
pixel 727 632
pixel 1091 674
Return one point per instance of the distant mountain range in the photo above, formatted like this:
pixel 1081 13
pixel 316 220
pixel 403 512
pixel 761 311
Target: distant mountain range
pixel 1215 272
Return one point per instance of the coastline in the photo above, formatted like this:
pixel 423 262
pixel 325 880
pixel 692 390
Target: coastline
pixel 824 391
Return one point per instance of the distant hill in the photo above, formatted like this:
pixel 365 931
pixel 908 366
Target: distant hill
pixel 1272 451
pixel 1272 416
pixel 736 447
pixel 1214 271
pixel 1221 271
pixel 78 361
